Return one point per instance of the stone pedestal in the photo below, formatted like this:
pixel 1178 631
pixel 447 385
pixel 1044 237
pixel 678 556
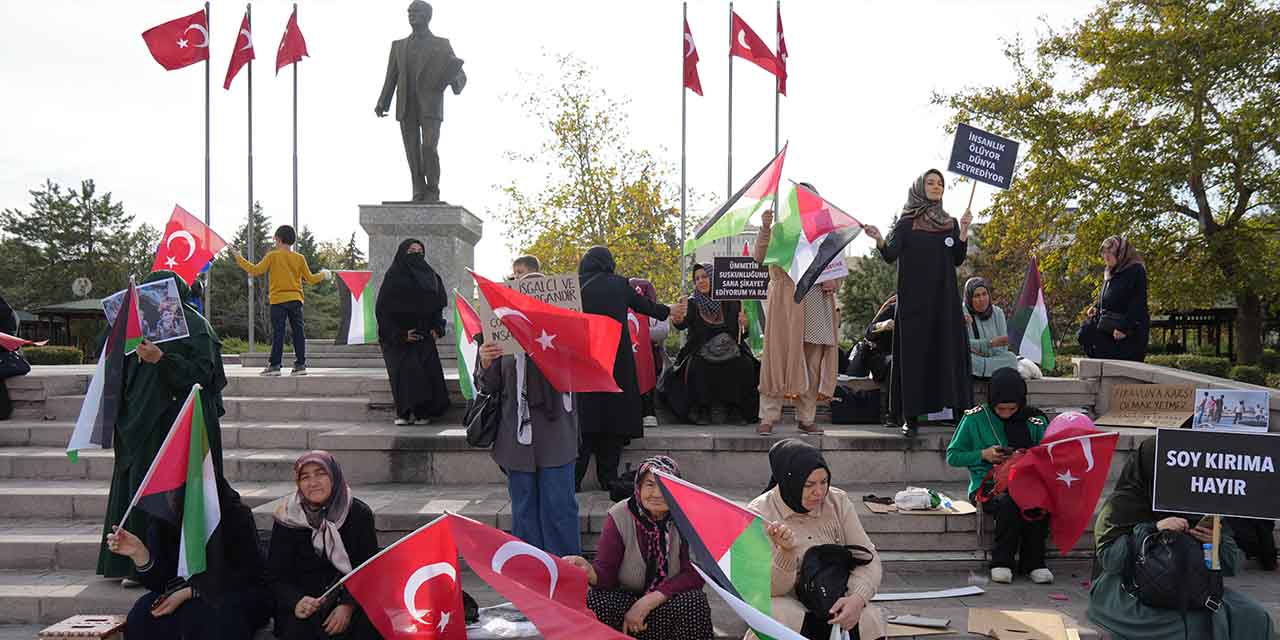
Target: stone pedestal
pixel 449 234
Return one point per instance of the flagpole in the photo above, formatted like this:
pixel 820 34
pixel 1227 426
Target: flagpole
pixel 295 136
pixel 248 234
pixel 777 91
pixel 163 445
pixel 208 279
pixel 684 132
pixel 729 179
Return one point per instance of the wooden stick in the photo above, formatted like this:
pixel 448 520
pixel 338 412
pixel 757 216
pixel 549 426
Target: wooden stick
pixel 1217 538
pixel 971 193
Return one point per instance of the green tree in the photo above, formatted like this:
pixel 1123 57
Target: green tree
pixel 229 285
pixel 870 282
pixel 600 187
pixel 1158 121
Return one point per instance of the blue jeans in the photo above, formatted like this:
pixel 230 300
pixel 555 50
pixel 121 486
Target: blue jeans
pixel 292 312
pixel 544 509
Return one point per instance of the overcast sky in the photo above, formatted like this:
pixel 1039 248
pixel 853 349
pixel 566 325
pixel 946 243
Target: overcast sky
pixel 84 99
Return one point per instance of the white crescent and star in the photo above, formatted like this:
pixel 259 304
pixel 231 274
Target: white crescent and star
pixel 517 548
pixel 742 39
pixel 203 31
pixel 635 322
pixel 505 312
pixel 545 340
pixel 248 39
pixel 689 48
pixel 419 578
pixel 1066 478
pixel 185 235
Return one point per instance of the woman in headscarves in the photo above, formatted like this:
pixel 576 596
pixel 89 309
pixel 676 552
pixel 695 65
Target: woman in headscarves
pixel 9 325
pixel 237 602
pixel 801 355
pixel 157 380
pixel 988 332
pixel 1118 326
pixel 715 364
pixel 608 421
pixel 931 368
pixel 803 510
pixel 642 582
pixel 1128 514
pixel 658 332
pixel 987 436
pixel 321 533
pixel 410 311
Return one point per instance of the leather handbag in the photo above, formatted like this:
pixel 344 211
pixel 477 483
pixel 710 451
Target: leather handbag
pixel 12 365
pixel 1168 572
pixel 720 348
pixel 823 578
pixel 484 414
pixel 1109 321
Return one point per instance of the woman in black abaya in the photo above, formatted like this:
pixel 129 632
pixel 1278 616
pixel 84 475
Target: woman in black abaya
pixel 931 367
pixel 410 310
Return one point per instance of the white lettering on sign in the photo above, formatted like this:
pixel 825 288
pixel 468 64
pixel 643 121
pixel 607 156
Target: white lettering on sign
pixel 1239 462
pixel 1175 458
pixel 1218 486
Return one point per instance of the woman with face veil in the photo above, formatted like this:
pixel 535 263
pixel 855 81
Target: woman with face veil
pixel 410 310
pixel 931 368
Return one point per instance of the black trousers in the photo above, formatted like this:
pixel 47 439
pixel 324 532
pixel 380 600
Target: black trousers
pixel 238 617
pixel 607 448
pixel 1016 537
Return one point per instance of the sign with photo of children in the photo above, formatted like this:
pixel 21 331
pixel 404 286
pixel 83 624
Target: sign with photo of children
pixel 1232 409
pixel 160 307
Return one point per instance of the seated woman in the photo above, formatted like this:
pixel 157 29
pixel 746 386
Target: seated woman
pixel 642 582
pixel 806 511
pixel 987 435
pixel 988 334
pixel 1128 513
pixel 879 333
pixel 714 365
pixel 176 608
pixel 321 532
pixel 1119 325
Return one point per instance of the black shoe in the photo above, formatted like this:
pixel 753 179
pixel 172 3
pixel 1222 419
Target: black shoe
pixel 910 429
pixel 702 417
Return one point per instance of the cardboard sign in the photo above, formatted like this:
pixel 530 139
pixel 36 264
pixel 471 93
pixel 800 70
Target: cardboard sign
pixel 739 278
pixel 1149 405
pixel 1224 473
pixel 1232 410
pixel 1017 625
pixel 561 290
pixel 983 156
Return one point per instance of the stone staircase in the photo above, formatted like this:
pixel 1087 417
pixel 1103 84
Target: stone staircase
pixel 326 354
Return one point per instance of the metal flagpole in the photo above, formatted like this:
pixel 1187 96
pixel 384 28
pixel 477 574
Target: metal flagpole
pixel 295 137
pixel 250 240
pixel 729 179
pixel 777 89
pixel 684 97
pixel 208 279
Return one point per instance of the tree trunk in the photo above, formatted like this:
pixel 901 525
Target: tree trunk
pixel 1248 328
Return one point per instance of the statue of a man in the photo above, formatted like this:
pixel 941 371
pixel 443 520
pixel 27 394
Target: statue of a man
pixel 420 68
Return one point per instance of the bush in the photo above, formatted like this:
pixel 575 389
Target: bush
pixel 1248 373
pixel 1273 380
pixel 1270 361
pixel 53 355
pixel 240 345
pixel 1206 365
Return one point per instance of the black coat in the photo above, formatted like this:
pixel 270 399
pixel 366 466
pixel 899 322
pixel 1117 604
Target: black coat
pixel 607 294
pixel 1126 294
pixel 8 320
pixel 931 369
pixel 294 569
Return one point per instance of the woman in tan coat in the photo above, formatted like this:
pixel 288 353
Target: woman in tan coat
pixel 804 510
pixel 800 347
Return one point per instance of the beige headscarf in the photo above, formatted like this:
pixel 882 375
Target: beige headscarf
pixel 323 521
pixel 926 215
pixel 1126 255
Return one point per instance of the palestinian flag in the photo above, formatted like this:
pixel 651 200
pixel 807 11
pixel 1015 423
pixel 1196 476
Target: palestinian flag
pixel 1029 332
pixel 358 325
pixel 466 323
pixel 96 425
pixel 180 488
pixel 732 217
pixel 807 235
pixel 755 317
pixel 729 548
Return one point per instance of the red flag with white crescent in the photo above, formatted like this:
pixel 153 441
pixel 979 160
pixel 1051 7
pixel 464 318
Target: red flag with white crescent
pixel 293 47
pixel 187 246
pixel 413 588
pixel 782 56
pixel 646 373
pixel 746 44
pixel 691 79
pixel 242 53
pixel 179 43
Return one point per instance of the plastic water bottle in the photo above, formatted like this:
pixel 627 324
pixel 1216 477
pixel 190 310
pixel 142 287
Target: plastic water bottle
pixel 1208 555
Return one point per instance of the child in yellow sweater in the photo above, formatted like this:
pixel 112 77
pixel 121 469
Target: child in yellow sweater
pixel 286 270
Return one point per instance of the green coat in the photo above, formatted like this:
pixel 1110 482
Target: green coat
pixel 985 358
pixel 979 429
pixel 1240 618
pixel 153 395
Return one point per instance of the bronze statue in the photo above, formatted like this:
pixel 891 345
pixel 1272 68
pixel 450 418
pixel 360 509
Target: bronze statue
pixel 420 68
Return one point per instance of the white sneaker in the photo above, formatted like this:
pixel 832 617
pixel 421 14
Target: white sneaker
pixel 402 422
pixel 1002 575
pixel 650 421
pixel 130 583
pixel 1042 576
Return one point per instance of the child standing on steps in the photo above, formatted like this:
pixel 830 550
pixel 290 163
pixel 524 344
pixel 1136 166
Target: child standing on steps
pixel 286 270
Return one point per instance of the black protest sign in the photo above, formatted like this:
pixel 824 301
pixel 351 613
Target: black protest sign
pixel 983 156
pixel 1217 472
pixel 739 278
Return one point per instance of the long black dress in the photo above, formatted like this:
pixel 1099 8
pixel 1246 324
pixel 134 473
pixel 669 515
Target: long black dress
pixel 9 325
pixel 1125 293
pixel 412 297
pixel 931 367
pixel 696 383
pixel 608 420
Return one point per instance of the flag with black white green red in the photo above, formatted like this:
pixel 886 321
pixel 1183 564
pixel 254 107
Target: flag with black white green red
pixel 182 489
pixel 732 216
pixel 755 317
pixel 358 325
pixel 96 424
pixel 808 233
pixel 1029 333
pixel 729 548
pixel 466 325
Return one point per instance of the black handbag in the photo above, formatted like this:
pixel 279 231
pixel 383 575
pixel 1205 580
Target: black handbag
pixel 1109 321
pixel 720 348
pixel 859 365
pixel 484 414
pixel 823 578
pixel 855 407
pixel 12 365
pixel 1169 572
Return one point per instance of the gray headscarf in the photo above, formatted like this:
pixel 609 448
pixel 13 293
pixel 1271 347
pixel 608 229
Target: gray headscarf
pixel 971 287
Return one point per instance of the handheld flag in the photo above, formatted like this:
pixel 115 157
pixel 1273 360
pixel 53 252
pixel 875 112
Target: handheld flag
pixel 747 45
pixel 1029 332
pixel 808 234
pixel 755 316
pixel 179 43
pixel 187 246
pixel 466 324
pixel 242 53
pixel 642 350
pixel 732 217
pixel 13 343
pixel 358 323
pixel 691 80
pixel 293 47
pixel 96 424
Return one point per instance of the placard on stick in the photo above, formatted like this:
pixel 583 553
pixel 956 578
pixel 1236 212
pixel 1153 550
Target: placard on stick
pixel 739 278
pixel 560 290
pixel 1225 473
pixel 983 156
pixel 1149 405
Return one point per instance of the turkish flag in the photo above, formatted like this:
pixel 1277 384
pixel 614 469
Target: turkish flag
pixel 187 246
pixel 292 45
pixel 574 350
pixel 646 369
pixel 242 53
pixel 178 43
pixel 1064 475
pixel 691 80
pixel 746 44
pixel 549 591
pixel 782 56
pixel 412 589
pixel 13 343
